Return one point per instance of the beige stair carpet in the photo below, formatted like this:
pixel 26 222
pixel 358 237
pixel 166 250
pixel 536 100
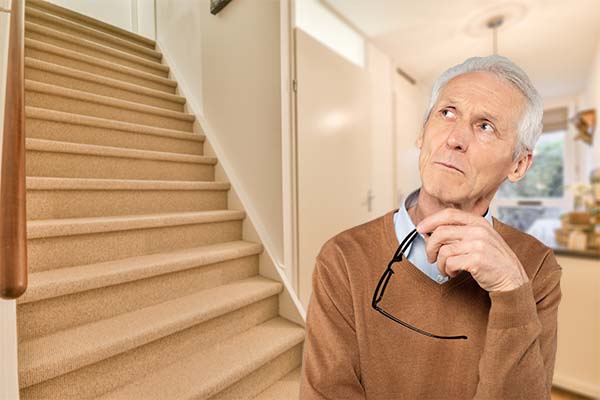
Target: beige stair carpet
pixel 141 285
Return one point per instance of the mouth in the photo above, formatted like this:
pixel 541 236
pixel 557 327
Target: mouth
pixel 450 166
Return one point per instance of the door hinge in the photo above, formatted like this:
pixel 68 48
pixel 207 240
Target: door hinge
pixel 294 86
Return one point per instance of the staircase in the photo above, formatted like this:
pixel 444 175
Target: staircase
pixel 141 285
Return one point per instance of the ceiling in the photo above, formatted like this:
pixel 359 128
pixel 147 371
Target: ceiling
pixel 554 41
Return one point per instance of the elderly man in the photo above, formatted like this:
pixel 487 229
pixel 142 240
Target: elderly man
pixel 438 299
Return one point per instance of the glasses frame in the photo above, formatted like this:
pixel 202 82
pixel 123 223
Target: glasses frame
pixel 385 278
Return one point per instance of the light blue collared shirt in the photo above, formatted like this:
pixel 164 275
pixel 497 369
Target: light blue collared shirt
pixel 403 225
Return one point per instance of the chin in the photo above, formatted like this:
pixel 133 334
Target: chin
pixel 444 189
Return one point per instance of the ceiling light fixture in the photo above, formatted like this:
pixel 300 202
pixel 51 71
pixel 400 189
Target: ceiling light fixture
pixel 497 18
pixel 493 24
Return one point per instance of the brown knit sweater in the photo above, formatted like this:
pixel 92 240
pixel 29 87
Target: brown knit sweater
pixel 354 352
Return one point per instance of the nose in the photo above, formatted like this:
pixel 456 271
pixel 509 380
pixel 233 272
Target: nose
pixel 458 136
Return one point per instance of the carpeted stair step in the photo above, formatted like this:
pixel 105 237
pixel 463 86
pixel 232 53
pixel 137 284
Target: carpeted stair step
pixel 72 280
pixel 49 356
pixel 264 377
pixel 42 95
pixel 53 9
pixel 72 59
pixel 51 158
pixel 51 198
pixel 116 371
pixel 85 32
pixel 68 297
pixel 54 125
pixel 93 49
pixel 67 242
pixel 58 75
pixel 201 376
pixel 287 387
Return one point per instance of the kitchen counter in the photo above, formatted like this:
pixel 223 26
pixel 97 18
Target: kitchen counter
pixel 593 254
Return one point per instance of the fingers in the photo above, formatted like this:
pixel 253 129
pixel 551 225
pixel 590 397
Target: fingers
pixel 444 235
pixel 454 264
pixel 450 250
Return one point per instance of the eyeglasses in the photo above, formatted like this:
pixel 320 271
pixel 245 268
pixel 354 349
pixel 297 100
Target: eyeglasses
pixel 385 278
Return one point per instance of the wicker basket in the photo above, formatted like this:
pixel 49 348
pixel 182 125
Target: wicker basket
pixel 595 215
pixel 595 181
pixel 578 240
pixel 576 220
pixel 562 237
pixel 594 240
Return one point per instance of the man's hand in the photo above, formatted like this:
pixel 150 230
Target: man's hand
pixel 465 241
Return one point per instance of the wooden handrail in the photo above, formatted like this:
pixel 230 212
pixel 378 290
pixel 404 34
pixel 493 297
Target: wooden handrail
pixel 13 219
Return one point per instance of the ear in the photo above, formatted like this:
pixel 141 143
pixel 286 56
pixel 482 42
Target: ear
pixel 520 167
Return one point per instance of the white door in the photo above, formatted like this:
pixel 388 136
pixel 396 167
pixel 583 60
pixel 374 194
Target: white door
pixel 334 150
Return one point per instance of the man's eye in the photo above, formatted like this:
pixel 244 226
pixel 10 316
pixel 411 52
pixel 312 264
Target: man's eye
pixel 444 110
pixel 486 124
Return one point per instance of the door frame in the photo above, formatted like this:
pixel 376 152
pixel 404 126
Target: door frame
pixel 289 143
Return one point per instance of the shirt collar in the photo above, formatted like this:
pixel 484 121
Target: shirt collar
pixel 403 223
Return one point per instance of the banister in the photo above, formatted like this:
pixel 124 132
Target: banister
pixel 13 220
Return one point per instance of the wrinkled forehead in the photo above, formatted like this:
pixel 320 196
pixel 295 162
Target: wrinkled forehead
pixel 487 94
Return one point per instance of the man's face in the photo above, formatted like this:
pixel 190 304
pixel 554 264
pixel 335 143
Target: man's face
pixel 472 126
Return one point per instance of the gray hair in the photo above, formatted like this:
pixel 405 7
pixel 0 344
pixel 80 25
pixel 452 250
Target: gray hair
pixel 530 126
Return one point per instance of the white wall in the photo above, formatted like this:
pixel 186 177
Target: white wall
pixel 175 21
pixel 132 15
pixel 410 103
pixel 230 65
pixel 381 78
pixel 146 25
pixel 9 387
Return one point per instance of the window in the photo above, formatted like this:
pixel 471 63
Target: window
pixel 535 203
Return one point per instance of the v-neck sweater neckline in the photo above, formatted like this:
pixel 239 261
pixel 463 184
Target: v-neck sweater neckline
pixel 392 244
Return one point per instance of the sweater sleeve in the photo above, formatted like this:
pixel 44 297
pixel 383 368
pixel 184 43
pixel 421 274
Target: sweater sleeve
pixel 330 364
pixel 521 337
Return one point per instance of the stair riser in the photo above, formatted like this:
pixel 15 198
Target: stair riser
pixel 119 370
pixel 44 7
pixel 30 34
pixel 48 204
pixel 51 315
pixel 68 165
pixel 88 36
pixel 99 88
pixel 76 106
pixel 66 251
pixel 251 385
pixel 67 132
pixel 97 69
